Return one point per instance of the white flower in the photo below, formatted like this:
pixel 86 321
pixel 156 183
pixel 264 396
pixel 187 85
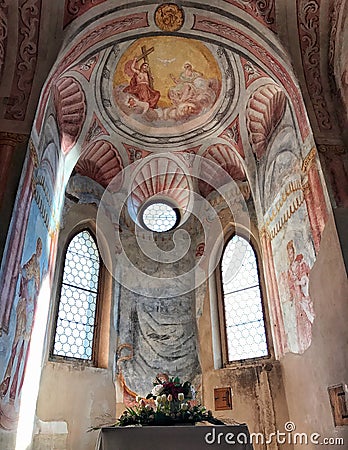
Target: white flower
pixel 163 397
pixel 170 397
pixel 193 392
pixel 157 390
pixel 181 396
pixel 184 406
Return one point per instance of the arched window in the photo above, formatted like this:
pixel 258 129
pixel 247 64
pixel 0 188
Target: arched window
pixel 245 332
pixel 75 331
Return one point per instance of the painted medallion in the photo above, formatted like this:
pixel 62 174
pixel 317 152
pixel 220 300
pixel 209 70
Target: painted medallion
pixel 166 82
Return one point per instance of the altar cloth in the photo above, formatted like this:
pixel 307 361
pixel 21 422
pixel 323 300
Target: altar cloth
pixel 183 437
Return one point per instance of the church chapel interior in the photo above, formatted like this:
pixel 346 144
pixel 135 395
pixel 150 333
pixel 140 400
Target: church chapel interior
pixel 173 200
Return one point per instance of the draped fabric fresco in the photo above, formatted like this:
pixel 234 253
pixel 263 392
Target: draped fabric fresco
pixel 154 337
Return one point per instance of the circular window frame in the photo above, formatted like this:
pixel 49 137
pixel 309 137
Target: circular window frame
pixel 159 200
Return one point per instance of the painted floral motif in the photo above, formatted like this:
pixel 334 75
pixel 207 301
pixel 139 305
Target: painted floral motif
pixel 309 30
pixel 3 34
pixel 169 17
pixel 262 10
pixel 29 24
pixel 75 8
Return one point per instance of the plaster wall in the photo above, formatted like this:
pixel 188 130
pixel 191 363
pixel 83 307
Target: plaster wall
pixel 269 394
pixel 258 396
pixel 308 376
pixel 76 395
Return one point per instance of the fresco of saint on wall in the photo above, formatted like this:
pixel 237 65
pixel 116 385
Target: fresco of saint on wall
pixel 293 278
pixel 297 276
pixel 15 345
pixel 166 81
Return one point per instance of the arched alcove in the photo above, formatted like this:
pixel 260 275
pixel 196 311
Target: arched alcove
pixel 209 118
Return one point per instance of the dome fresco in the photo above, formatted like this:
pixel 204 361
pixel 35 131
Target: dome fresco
pixel 164 86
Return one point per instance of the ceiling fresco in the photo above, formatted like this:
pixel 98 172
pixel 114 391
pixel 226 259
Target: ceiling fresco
pixel 231 72
pixel 183 71
pixel 167 86
pixel 314 42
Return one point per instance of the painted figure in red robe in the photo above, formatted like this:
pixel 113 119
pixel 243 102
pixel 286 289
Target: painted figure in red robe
pixel 298 279
pixel 141 85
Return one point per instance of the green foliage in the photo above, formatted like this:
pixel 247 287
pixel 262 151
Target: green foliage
pixel 168 413
pixel 170 402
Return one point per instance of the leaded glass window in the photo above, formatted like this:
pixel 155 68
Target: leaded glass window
pixel 243 309
pixel 160 217
pixel 76 319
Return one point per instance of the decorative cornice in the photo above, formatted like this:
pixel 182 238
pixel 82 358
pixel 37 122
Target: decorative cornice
pixel 292 187
pixel 264 233
pixel 306 188
pixel 327 149
pixel 28 39
pixel 307 162
pixel 33 154
pixel 284 218
pixel 12 138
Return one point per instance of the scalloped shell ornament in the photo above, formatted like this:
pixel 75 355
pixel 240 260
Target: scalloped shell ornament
pixel 265 110
pixel 70 103
pixel 101 162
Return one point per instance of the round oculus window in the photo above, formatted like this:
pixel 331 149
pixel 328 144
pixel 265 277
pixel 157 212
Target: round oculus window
pixel 160 217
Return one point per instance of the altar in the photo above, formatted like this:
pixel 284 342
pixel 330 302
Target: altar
pixel 183 437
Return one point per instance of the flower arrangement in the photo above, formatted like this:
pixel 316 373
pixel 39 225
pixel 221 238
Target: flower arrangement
pixel 170 402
